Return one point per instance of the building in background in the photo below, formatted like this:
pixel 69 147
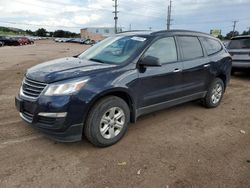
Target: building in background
pixel 98 33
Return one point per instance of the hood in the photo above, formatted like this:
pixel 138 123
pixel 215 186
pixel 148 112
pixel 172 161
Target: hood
pixel 65 68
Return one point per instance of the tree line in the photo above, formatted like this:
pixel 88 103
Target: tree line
pixel 231 34
pixel 41 32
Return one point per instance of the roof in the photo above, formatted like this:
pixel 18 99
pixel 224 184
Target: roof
pixel 162 32
pixel 242 36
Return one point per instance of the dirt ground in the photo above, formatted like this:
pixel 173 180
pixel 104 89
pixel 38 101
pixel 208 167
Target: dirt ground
pixel 184 146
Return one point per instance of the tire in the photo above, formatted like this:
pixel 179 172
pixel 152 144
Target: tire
pixel 213 97
pixel 101 129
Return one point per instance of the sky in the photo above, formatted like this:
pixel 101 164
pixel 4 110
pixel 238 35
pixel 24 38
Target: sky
pixel 71 15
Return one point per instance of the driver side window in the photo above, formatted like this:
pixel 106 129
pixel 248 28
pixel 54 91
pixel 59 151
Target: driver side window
pixel 164 49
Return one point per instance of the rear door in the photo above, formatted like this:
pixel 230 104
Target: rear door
pixel 161 84
pixel 195 65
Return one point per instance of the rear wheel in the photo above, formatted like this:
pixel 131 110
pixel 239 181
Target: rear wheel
pixel 107 121
pixel 214 94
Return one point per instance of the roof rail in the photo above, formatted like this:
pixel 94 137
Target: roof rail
pixel 133 31
pixel 178 30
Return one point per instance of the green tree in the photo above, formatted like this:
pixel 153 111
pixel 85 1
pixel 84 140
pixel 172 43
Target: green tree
pixel 220 37
pixel 29 32
pixel 231 34
pixel 246 32
pixel 66 34
pixel 41 32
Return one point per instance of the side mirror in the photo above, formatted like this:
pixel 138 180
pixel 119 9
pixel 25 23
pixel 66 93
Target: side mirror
pixel 150 61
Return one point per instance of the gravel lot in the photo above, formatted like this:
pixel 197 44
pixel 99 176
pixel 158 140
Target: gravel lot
pixel 184 146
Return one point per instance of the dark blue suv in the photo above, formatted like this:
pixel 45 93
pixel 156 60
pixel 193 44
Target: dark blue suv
pixel 100 91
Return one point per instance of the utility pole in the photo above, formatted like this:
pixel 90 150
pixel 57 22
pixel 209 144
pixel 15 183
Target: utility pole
pixel 234 25
pixel 116 17
pixel 169 15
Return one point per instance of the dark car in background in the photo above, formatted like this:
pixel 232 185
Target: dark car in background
pixel 99 92
pixel 239 48
pixel 9 41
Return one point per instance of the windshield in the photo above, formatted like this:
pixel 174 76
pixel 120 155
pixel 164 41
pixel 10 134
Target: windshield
pixel 239 43
pixel 114 50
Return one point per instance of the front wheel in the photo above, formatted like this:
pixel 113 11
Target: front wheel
pixel 214 94
pixel 107 121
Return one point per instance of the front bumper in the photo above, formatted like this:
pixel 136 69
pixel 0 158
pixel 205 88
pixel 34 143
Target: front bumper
pixel 63 129
pixel 240 64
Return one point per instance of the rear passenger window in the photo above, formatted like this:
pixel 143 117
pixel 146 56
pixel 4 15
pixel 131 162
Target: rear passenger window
pixel 190 47
pixel 212 46
pixel 164 49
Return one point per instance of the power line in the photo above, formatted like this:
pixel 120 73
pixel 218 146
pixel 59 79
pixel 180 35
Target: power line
pixel 209 21
pixel 87 9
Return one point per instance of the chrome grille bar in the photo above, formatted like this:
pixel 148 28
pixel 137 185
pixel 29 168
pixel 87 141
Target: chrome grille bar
pixel 31 88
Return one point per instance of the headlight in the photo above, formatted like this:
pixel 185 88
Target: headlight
pixel 65 88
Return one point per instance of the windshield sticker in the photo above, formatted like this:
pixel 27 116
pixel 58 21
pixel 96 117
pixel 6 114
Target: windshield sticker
pixel 141 39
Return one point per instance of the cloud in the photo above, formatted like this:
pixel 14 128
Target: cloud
pixel 75 14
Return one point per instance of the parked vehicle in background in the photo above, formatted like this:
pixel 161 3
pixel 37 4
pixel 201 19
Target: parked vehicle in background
pixel 239 48
pixel 89 42
pixel 76 40
pixel 62 39
pixel 119 79
pixel 57 39
pixel 1 44
pixel 9 41
pixel 24 40
pixel 31 39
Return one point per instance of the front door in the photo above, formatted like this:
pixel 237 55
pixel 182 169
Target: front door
pixel 160 84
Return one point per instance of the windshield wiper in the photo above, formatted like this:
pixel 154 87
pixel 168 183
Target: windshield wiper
pixel 96 60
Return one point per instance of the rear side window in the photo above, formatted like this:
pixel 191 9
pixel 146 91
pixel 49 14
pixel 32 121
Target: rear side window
pixel 190 47
pixel 164 49
pixel 212 46
pixel 240 43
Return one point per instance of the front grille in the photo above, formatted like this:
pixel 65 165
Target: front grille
pixel 27 116
pixel 32 88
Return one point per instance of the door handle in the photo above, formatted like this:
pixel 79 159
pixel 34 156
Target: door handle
pixel 177 70
pixel 206 65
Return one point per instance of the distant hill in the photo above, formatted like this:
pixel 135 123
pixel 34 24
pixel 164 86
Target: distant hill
pixel 11 31
pixel 14 29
